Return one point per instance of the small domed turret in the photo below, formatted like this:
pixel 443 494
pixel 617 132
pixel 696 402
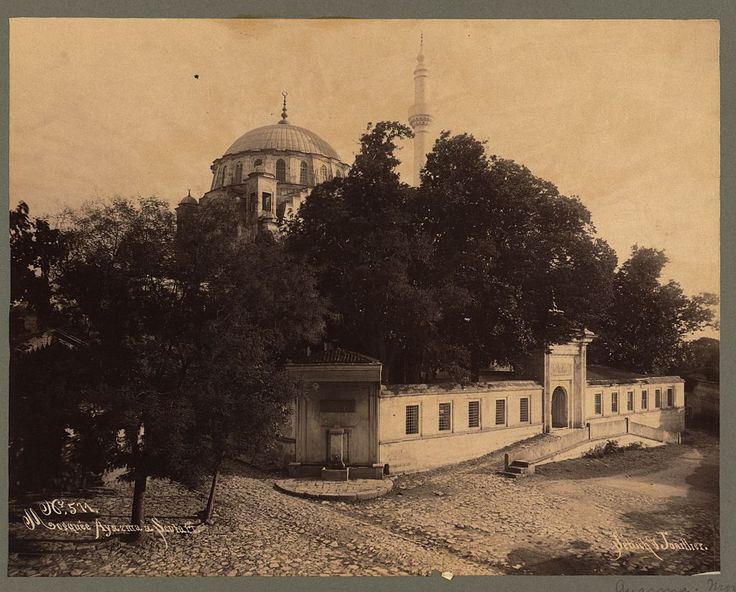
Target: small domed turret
pixel 188 199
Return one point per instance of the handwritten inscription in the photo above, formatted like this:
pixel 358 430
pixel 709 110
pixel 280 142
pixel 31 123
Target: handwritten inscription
pixel 51 511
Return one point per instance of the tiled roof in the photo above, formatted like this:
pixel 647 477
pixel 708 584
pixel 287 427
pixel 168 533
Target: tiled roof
pixel 282 137
pixel 335 356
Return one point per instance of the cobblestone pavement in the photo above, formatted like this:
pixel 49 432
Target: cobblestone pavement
pixel 464 519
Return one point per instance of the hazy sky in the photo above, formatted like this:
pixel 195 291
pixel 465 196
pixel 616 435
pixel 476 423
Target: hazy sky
pixel 624 114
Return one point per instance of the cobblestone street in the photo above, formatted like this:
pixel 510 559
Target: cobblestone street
pixel 464 519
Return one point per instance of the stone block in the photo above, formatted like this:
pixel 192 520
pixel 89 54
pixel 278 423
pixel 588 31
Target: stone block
pixel 334 474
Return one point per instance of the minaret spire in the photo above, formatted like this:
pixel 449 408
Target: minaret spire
pixel 419 116
pixel 283 110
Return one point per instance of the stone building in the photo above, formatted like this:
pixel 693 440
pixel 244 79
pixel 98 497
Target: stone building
pixel 268 172
pixel 346 422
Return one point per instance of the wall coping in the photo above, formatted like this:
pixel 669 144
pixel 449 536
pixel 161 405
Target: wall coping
pixel 634 381
pixel 401 390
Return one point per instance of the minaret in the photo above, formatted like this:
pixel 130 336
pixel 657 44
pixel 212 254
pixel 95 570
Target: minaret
pixel 419 117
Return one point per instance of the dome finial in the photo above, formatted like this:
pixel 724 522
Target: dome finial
pixel 420 57
pixel 283 110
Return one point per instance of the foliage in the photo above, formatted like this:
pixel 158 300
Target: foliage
pixel 514 251
pixel 701 359
pixel 647 323
pixel 611 447
pixel 34 250
pixel 357 231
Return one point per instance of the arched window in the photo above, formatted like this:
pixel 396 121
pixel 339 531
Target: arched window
pixel 238 174
pixel 223 172
pixel 303 179
pixel 338 173
pixel 257 163
pixel 323 173
pixel 281 170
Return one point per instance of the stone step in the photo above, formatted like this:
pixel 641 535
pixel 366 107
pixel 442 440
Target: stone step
pixel 517 470
pixel 521 463
pixel 508 474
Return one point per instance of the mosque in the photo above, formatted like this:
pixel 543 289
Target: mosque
pixel 346 423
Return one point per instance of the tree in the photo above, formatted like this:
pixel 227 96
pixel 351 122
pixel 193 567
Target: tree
pixel 357 231
pixel 115 285
pixel 511 252
pixel 249 305
pixel 34 250
pixel 646 325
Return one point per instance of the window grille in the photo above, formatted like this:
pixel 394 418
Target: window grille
pixel 657 398
pixel 412 419
pixel 473 414
pixel 445 416
pixel 630 401
pixel 670 397
pixel 644 400
pixel 500 411
pixel 524 410
pixel 598 403
pixel 614 402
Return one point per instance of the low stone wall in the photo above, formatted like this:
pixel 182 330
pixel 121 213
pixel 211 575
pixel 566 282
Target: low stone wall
pixel 430 452
pixel 670 420
pixel 552 445
pixel 606 428
pixel 652 433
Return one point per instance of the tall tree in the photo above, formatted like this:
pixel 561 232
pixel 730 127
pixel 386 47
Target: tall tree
pixel 358 233
pixel 648 321
pixel 115 283
pixel 511 250
pixel 249 305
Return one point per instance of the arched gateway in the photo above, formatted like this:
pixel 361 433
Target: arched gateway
pixel 559 408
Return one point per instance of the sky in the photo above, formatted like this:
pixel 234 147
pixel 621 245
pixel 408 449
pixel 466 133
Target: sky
pixel 623 114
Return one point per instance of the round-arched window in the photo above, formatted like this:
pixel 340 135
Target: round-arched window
pixel 323 173
pixel 281 170
pixel 303 179
pixel 257 163
pixel 238 174
pixel 223 172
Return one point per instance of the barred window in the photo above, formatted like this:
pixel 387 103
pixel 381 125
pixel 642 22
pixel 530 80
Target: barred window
pixel 238 173
pixel 412 419
pixel 614 402
pixel 445 416
pixel 303 180
pixel 630 401
pixel 500 411
pixel 598 403
pixel 644 400
pixel 657 398
pixel 670 397
pixel 524 410
pixel 473 414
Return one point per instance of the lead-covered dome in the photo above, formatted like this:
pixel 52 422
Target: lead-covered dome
pixel 282 136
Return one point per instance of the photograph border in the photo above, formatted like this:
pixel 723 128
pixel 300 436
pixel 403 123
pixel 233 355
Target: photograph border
pixel 722 10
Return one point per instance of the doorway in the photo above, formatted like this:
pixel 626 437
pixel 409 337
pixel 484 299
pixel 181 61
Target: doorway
pixel 559 408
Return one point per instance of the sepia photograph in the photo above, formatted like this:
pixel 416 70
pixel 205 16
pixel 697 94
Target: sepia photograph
pixel 364 297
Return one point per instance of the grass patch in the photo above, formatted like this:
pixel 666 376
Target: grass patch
pixel 611 447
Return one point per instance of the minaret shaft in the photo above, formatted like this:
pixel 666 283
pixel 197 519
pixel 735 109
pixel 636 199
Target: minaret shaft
pixel 419 116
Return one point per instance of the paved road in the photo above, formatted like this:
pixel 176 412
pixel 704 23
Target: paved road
pixel 464 519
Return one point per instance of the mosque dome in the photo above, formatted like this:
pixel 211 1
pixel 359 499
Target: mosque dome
pixel 282 136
